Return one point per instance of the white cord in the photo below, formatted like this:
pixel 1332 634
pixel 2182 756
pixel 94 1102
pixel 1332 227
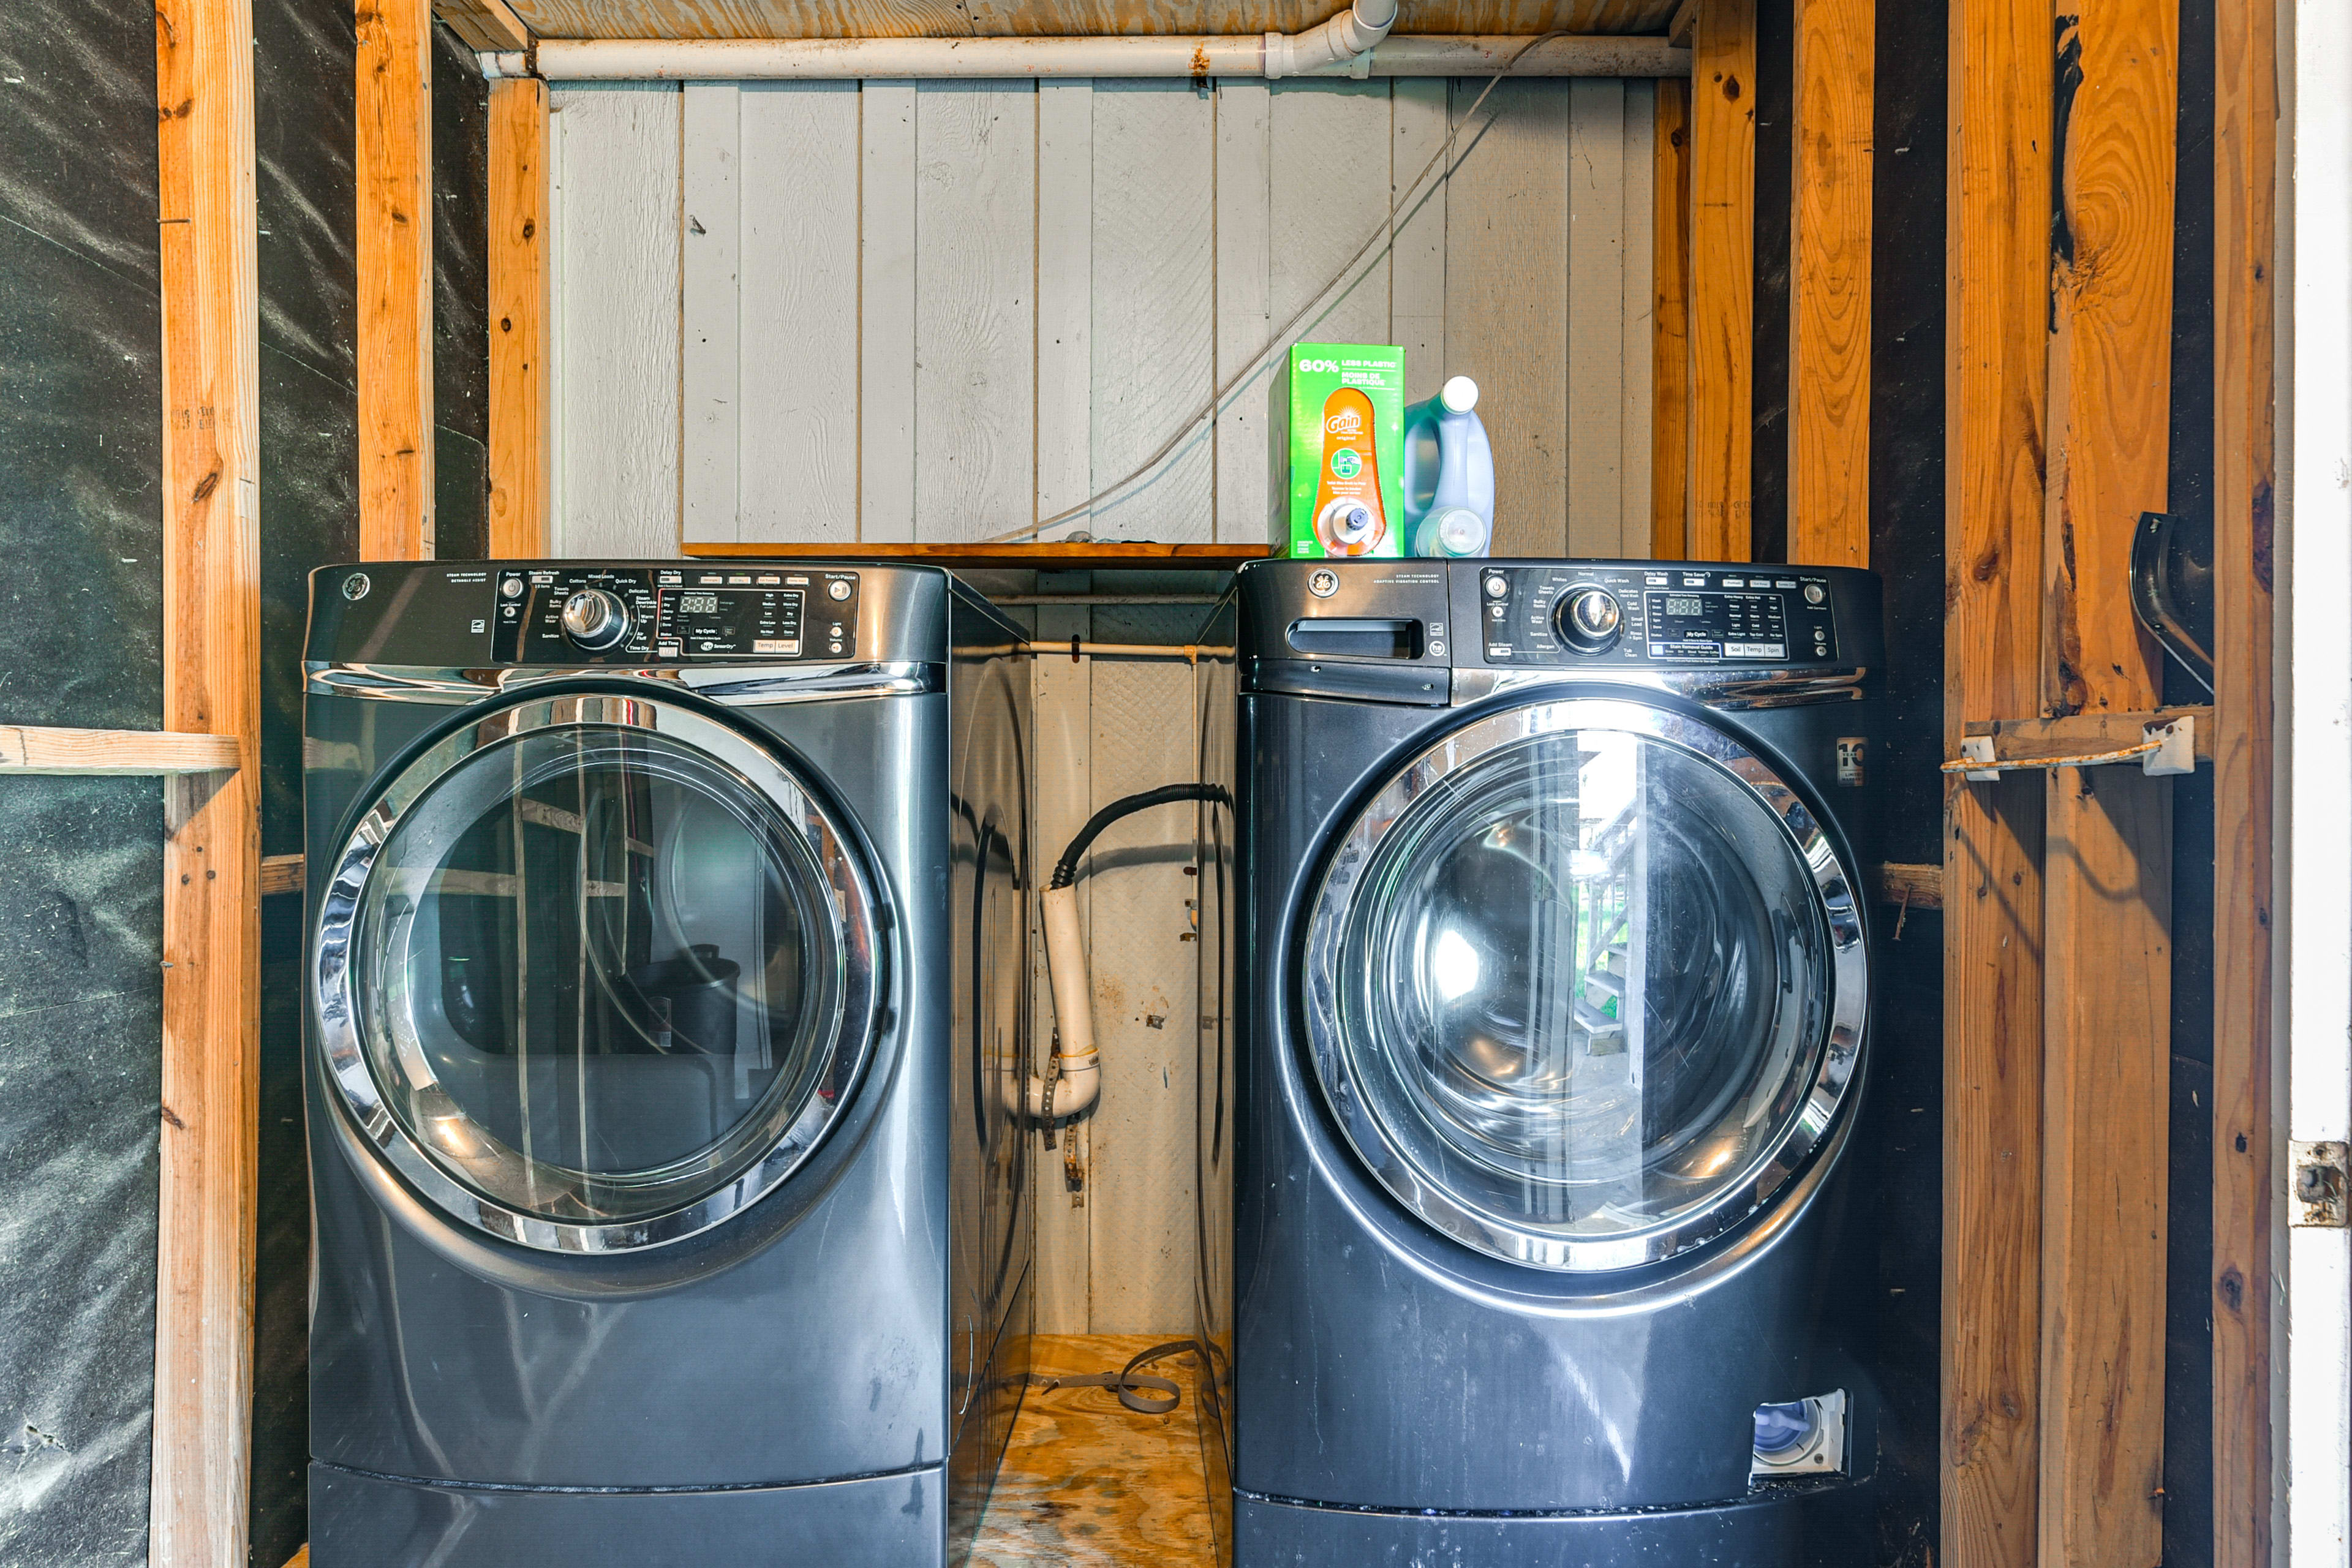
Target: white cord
pixel 1371 247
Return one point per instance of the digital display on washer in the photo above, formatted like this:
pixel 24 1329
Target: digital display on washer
pixel 1718 626
pixel 697 623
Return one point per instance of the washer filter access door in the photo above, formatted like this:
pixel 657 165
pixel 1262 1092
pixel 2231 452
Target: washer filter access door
pixel 1585 983
pixel 594 973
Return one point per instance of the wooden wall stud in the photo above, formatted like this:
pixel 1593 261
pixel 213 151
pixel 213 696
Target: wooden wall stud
pixel 2107 890
pixel 212 847
pixel 1722 277
pixel 1997 310
pixel 1829 261
pixel 519 320
pixel 1670 367
pixel 394 175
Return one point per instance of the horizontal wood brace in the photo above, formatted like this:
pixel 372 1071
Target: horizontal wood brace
pixel 1912 886
pixel 37 749
pixel 2080 739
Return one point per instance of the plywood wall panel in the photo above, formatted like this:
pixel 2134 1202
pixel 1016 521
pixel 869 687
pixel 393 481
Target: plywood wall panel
pixel 886 313
pixel 1140 1201
pixel 1507 299
pixel 1637 318
pixel 1595 430
pixel 1066 240
pixel 975 278
pixel 710 385
pixel 798 458
pixel 1154 305
pixel 616 367
pixel 1247 483
pixel 1316 130
pixel 1417 128
pixel 1062 690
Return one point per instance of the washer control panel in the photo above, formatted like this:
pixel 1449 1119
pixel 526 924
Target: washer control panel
pixel 1654 612
pixel 597 614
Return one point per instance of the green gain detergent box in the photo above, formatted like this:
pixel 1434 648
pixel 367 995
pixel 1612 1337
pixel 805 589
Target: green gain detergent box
pixel 1342 406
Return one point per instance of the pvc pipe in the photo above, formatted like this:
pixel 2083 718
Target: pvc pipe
pixel 1066 965
pixel 1198 57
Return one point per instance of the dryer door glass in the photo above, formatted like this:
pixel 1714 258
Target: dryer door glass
pixel 599 973
pixel 1578 976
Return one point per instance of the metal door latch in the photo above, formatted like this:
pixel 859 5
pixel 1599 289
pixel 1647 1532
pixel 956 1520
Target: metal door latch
pixel 2321 1178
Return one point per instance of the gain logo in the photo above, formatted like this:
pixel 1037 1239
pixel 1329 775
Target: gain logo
pixel 1348 422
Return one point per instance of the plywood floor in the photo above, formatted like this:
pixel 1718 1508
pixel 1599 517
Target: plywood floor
pixel 1088 1483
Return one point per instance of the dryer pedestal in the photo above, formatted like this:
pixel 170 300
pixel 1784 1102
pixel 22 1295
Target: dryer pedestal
pixel 877 1521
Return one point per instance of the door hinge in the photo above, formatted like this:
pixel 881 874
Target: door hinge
pixel 2320 1179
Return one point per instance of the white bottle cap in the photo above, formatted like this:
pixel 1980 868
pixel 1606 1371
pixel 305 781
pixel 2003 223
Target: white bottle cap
pixel 1460 394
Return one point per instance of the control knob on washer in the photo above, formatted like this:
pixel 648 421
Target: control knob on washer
pixel 595 619
pixel 1589 619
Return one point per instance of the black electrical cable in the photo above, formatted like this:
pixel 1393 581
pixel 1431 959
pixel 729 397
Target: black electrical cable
pixel 1066 869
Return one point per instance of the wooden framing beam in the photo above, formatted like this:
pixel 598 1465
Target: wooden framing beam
pixel 30 749
pixel 1669 347
pixel 2244 1287
pixel 519 320
pixel 2108 873
pixel 1996 306
pixel 393 171
pixel 485 25
pixel 1722 278
pixel 1828 262
pixel 211 848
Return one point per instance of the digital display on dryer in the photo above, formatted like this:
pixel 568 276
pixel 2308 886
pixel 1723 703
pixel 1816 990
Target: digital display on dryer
pixel 713 623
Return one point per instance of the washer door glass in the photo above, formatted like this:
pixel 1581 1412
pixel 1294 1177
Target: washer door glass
pixel 1575 985
pixel 598 973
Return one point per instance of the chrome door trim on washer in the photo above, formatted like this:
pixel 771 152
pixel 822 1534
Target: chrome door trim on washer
pixel 734 685
pixel 337 1014
pixel 1731 689
pixel 1836 1055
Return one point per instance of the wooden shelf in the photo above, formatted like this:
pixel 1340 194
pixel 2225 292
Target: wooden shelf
pixel 1095 556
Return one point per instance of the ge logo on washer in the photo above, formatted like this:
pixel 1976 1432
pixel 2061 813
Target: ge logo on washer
pixel 356 585
pixel 1323 584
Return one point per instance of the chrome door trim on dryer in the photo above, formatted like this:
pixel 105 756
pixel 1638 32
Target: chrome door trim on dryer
pixel 734 686
pixel 1804 1122
pixel 744 764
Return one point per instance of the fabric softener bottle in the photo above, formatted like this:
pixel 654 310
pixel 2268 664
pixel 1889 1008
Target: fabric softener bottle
pixel 1449 474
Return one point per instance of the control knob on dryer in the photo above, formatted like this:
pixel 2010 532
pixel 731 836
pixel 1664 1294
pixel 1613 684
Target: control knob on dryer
pixel 595 619
pixel 1589 618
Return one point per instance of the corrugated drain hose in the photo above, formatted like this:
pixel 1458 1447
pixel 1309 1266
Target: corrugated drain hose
pixel 1066 869
pixel 1072 1088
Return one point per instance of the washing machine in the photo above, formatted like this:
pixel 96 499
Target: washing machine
pixel 1550 967
pixel 668 971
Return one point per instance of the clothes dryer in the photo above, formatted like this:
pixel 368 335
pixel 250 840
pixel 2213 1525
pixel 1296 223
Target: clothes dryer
pixel 668 967
pixel 1552 977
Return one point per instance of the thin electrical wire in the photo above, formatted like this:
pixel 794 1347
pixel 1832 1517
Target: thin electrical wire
pixel 1321 300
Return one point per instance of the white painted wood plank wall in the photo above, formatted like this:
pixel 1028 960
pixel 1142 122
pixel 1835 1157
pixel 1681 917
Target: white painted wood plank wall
pixel 889 311
pixel 942 310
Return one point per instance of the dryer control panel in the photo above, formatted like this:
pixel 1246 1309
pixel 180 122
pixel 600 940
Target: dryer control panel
pixel 568 614
pixel 1573 613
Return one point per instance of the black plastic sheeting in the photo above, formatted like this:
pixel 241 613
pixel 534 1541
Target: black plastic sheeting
pixel 80 643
